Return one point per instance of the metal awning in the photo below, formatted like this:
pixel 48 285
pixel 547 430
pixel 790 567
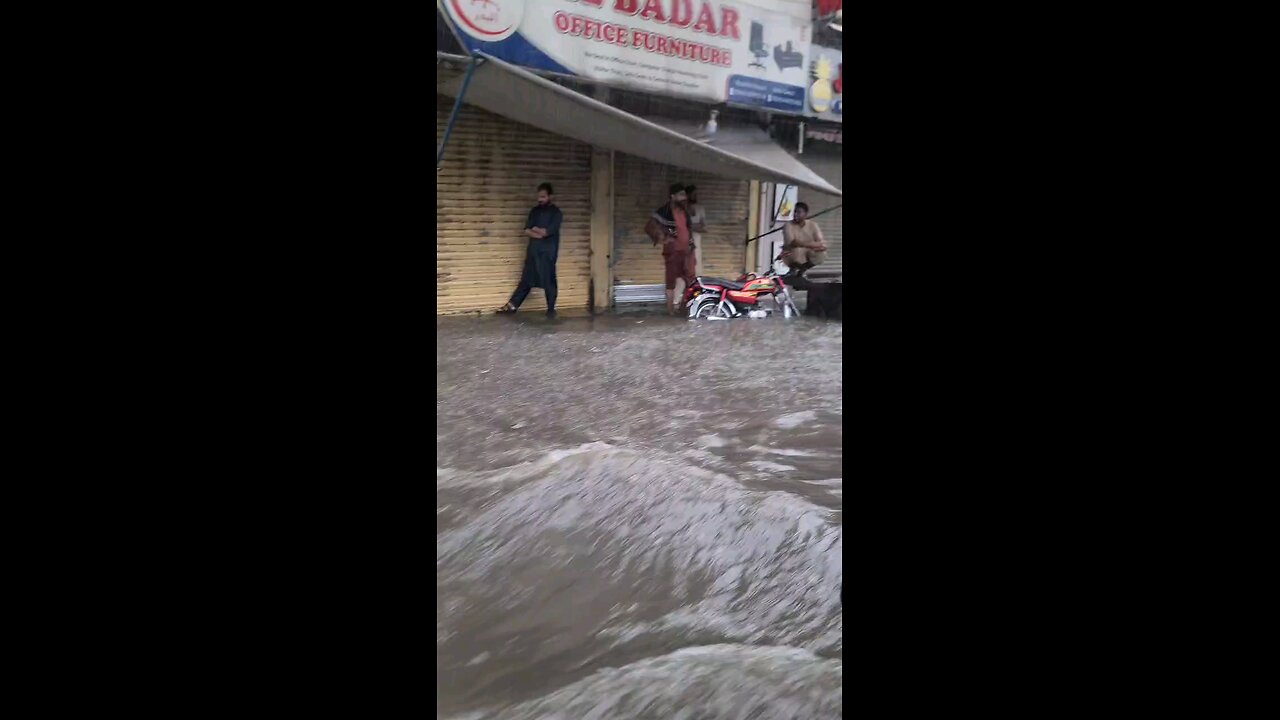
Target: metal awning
pixel 743 153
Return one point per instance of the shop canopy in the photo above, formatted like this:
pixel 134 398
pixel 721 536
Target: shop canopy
pixel 743 153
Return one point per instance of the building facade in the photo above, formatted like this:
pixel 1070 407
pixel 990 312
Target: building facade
pixel 644 77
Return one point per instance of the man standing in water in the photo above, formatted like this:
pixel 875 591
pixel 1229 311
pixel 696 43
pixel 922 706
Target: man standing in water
pixel 698 224
pixel 669 225
pixel 543 229
pixel 803 243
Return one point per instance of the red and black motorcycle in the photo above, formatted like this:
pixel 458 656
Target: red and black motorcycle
pixel 723 299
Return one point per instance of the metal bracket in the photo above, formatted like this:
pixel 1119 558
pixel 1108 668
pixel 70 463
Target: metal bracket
pixel 457 107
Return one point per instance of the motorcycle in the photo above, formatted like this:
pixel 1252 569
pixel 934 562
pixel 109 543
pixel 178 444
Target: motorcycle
pixel 723 299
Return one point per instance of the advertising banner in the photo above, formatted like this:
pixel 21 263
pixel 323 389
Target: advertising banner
pixel 786 200
pixel 746 52
pixel 826 93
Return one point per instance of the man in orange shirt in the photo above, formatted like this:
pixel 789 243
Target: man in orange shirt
pixel 669 225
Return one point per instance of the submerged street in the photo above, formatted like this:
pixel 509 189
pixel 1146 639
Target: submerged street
pixel 638 516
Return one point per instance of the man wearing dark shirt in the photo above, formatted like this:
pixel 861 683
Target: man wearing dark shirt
pixel 543 229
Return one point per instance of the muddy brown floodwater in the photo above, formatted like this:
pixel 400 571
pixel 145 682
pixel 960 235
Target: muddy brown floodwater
pixel 638 517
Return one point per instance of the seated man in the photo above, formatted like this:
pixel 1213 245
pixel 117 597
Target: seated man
pixel 802 242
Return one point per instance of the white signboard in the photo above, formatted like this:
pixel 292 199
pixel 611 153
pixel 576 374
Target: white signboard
pixel 747 52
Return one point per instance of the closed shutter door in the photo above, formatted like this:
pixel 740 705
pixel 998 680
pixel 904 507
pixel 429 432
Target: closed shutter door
pixel 492 169
pixel 641 186
pixel 726 203
pixel 828 166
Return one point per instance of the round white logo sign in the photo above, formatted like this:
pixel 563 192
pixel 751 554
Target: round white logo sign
pixel 486 20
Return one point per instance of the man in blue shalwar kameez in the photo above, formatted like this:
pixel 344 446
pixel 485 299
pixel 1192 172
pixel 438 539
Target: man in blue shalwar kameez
pixel 543 229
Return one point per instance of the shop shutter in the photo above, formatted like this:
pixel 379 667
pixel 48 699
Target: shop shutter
pixel 488 183
pixel 727 206
pixel 641 186
pixel 827 164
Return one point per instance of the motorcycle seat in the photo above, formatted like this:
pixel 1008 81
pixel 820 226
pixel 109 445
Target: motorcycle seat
pixel 730 284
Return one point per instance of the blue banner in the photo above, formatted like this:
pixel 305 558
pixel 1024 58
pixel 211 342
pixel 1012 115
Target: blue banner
pixel 745 90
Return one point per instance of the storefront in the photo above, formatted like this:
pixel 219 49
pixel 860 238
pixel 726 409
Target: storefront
pixel 483 196
pixel 823 155
pixel 610 167
pixel 822 148
pixel 642 186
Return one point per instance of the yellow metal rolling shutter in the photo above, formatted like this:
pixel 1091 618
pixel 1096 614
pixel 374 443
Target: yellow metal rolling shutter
pixel 642 186
pixel 726 203
pixel 492 168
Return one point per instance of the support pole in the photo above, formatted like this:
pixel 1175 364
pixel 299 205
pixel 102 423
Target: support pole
pixel 602 194
pixel 457 106
pixel 749 261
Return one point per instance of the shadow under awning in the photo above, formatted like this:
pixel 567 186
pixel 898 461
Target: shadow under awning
pixel 734 152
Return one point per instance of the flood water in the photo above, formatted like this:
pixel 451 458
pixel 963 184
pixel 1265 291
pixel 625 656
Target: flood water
pixel 638 517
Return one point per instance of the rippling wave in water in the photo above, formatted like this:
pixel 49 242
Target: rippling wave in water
pixel 638 518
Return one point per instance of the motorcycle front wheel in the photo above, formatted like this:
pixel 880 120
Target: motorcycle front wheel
pixel 706 306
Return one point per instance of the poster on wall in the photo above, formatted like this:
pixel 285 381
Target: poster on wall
pixel 787 198
pixel 745 52
pixel 826 91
